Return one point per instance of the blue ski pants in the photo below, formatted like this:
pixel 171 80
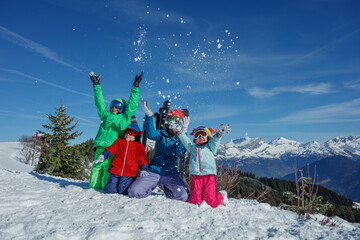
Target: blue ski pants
pixel 118 184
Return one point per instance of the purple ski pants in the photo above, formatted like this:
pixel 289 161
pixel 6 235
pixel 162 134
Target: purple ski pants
pixel 174 186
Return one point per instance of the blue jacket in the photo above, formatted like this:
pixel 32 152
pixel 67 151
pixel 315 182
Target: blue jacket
pixel 169 149
pixel 202 160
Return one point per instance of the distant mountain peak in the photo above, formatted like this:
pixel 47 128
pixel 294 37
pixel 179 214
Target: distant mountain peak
pixel 282 141
pixel 254 152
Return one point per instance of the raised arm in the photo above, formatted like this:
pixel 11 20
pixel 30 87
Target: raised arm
pixel 150 130
pixel 214 143
pixel 132 104
pixel 98 96
pixel 185 140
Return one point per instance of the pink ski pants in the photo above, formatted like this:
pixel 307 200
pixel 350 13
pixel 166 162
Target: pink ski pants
pixel 203 189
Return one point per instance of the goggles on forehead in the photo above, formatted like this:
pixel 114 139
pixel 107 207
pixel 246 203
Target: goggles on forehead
pixel 131 132
pixel 200 133
pixel 176 119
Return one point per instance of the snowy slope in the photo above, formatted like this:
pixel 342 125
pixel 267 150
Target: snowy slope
pixel 34 206
pixel 10 157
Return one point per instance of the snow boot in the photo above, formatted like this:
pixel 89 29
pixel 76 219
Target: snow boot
pixel 225 201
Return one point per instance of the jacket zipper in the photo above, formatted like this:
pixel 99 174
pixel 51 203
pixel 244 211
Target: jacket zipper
pixel 199 159
pixel 127 146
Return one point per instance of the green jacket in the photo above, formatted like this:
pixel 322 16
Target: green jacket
pixel 113 125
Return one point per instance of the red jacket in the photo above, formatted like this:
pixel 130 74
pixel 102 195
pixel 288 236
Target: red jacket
pixel 129 156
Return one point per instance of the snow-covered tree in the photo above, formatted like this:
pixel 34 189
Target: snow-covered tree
pixel 57 157
pixel 30 149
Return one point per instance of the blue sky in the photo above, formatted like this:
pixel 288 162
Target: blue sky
pixel 268 68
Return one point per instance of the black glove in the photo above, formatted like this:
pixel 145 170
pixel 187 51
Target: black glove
pixel 137 80
pixel 95 79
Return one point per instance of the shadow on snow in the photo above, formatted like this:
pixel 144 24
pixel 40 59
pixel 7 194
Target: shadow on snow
pixel 63 182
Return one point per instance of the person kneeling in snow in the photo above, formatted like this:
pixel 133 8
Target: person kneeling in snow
pixel 112 126
pixel 130 155
pixel 202 166
pixel 163 167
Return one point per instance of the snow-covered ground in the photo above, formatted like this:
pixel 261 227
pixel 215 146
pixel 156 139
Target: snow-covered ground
pixel 10 157
pixel 34 206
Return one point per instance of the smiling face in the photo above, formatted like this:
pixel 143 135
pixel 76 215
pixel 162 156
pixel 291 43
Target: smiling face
pixel 201 137
pixel 117 106
pixel 129 137
pixel 202 140
pixel 114 110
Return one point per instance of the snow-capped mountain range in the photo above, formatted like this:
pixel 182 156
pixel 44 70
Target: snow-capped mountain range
pixel 247 153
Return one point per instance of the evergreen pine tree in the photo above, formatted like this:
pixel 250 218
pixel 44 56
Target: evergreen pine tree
pixel 349 215
pixel 57 158
pixel 357 216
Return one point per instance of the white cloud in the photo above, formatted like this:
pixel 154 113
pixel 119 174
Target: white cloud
pixel 328 45
pixel 312 89
pixel 38 48
pixel 85 121
pixel 353 84
pixel 333 113
pixel 20 115
pixel 44 82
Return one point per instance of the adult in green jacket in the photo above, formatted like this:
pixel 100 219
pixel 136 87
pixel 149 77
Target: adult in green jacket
pixel 112 126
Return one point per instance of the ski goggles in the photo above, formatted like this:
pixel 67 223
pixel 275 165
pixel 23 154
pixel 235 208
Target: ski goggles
pixel 200 133
pixel 131 132
pixel 175 119
pixel 117 104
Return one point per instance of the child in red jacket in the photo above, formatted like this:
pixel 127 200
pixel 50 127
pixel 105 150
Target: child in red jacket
pixel 130 157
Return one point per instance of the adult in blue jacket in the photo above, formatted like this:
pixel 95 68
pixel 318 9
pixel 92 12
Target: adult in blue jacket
pixel 163 168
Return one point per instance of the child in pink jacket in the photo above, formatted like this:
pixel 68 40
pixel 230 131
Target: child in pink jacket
pixel 202 166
